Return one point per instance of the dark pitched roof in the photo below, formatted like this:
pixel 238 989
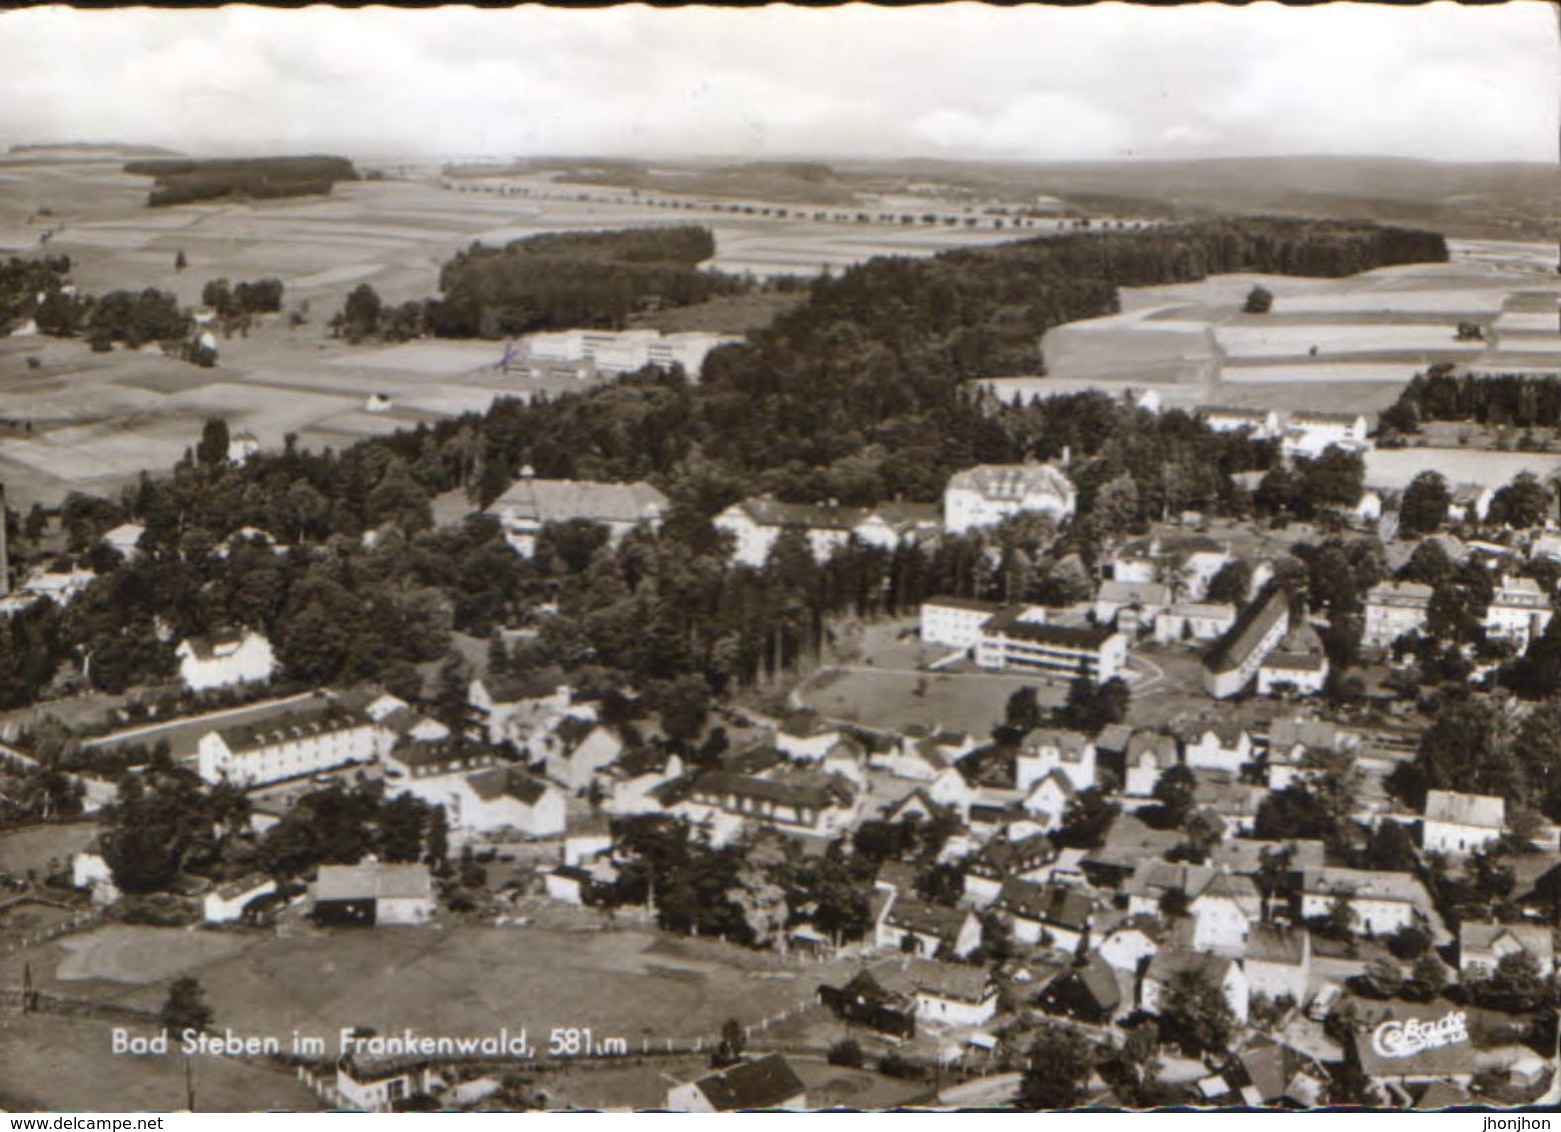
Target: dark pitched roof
pixel 1074 636
pixel 765 1083
pixel 296 724
pixel 498 781
pixel 927 919
pixel 1249 630
pixel 1046 903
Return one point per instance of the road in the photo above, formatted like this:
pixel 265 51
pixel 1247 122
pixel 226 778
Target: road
pixel 983 1092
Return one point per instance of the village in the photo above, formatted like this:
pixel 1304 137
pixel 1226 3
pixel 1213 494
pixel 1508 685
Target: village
pixel 1194 849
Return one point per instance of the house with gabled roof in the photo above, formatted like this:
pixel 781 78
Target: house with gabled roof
pixel 987 494
pixel 1049 914
pixel 766 1083
pixel 1045 749
pixel 942 994
pixel 225 659
pixel 1048 800
pixel 1095 993
pixel 1219 970
pixel 372 893
pixel 1131 943
pixel 1459 824
pixel 1001 860
pixel 313 737
pixel 1278 961
pixel 1232 664
pixel 918 927
pixel 225 903
pixel 507 708
pixel 806 738
pixel 529 504
pixel 1482 946
pixel 1223 913
pixel 574 767
pixel 1382 902
pixel 1219 744
pixel 1149 755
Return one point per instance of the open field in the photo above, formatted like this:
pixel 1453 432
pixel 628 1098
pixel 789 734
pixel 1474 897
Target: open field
pixel 35 846
pixel 440 980
pixel 1396 467
pixel 971 702
pixel 66 1064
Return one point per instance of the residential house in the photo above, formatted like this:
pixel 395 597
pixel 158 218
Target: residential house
pixel 1310 434
pixel 1219 970
pixel 1024 639
pixel 947 994
pixel 567 884
pixel 921 755
pixel 1198 621
pixel 1095 994
pixel 1047 803
pixel 380 1084
pixel 1459 824
pixel 1131 944
pixel 225 903
pixel 1149 755
pixel 1131 606
pixel 125 539
pixel 411 761
pixel 1482 946
pixel 955 622
pixel 505 798
pixel 767 1083
pixel 1233 662
pixel 802 802
pixel 1154 878
pixel 1470 503
pixel 1393 609
pixel 372 894
pixel 1046 749
pixel 985 495
pixel 1263 424
pixel 242 446
pixel 1001 860
pixel 907 924
pixel 1220 744
pixel 757 524
pixel 1223 913
pixel 632 782
pixel 224 660
pixel 1298 666
pixel 1278 961
pixel 806 738
pixel 884 1002
pixel 1518 612
pixel 1295 742
pixel 1047 914
pixel 1269 1073
pixel 515 709
pixel 574 767
pixel 90 870
pixel 1382 902
pixel 307 740
pixel 530 504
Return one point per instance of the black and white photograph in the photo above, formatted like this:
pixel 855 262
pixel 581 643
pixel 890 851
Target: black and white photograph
pixel 707 559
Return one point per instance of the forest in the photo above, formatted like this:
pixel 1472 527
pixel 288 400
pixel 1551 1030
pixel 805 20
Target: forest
pixel 1518 399
pixel 181 180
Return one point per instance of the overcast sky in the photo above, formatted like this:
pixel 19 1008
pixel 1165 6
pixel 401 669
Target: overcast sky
pixel 962 80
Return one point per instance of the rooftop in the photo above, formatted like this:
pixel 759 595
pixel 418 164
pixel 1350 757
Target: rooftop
pixel 373 881
pixel 558 501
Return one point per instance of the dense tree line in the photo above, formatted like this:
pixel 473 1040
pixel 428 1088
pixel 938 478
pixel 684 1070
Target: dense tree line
pixel 1519 399
pixel 23 281
pixel 180 180
pixel 260 296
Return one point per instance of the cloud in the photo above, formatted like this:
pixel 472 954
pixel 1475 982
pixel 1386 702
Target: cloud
pixel 1442 80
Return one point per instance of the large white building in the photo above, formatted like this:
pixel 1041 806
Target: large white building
pixel 1262 423
pixel 1025 639
pixel 1235 660
pixel 624 351
pixel 1459 824
pixel 1310 434
pixel 756 524
pixel 225 659
pixel 532 503
pixel 955 622
pixel 313 739
pixel 1393 609
pixel 1518 612
pixel 987 494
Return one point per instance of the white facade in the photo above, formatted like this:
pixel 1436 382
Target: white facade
pixel 530 504
pixel 1309 435
pixel 576 767
pixel 985 495
pixel 1519 611
pixel 1393 609
pixel 1197 620
pixel 225 904
pixel 1045 750
pixel 223 662
pixel 1263 423
pixel 1459 824
pixel 625 351
pixel 1025 640
pixel 288 748
pixel 955 622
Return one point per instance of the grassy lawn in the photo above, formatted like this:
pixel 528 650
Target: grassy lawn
pixel 461 980
pixel 891 700
pixel 35 846
pixel 66 1064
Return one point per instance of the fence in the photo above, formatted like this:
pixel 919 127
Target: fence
pixel 80 922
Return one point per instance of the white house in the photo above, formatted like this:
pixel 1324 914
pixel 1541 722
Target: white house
pixel 1148 756
pixel 1224 912
pixel 948 994
pixel 1482 946
pixel 1382 902
pixel 1221 745
pixel 1046 749
pixel 757 524
pixel 376 1084
pixel 301 742
pixel 1200 621
pixel 917 927
pixel 225 659
pixel 1518 612
pixel 985 495
pixel 1298 666
pixel 806 739
pixel 1130 944
pixel 530 504
pixel 1262 423
pixel 505 798
pixel 1278 961
pixel 126 539
pixel 1047 802
pixel 1146 601
pixel 242 446
pixel 373 893
pixel 1220 971
pixel 1310 434
pixel 1235 659
pixel 955 622
pixel 768 1083
pixel 1459 824
pixel 1046 914
pixel 574 767
pixel 1393 609
pixel 225 903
